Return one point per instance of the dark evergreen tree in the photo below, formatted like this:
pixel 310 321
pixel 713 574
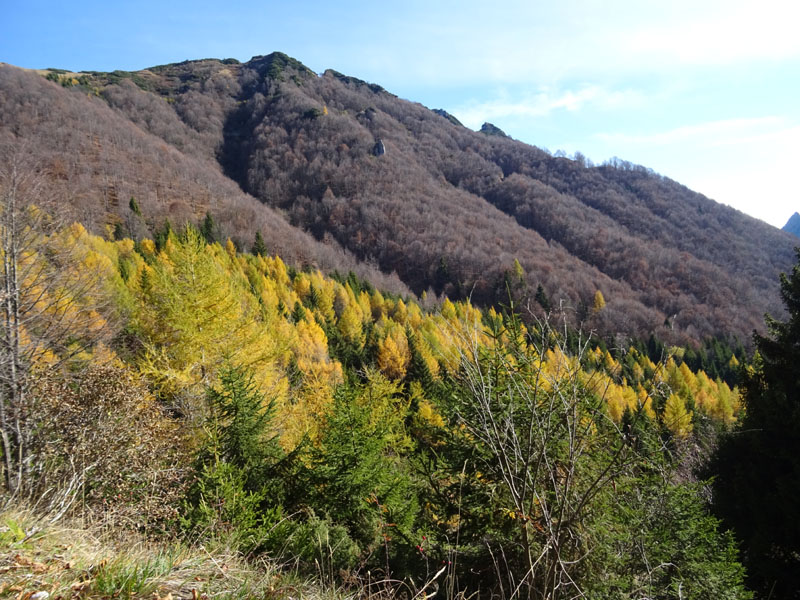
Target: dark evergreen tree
pixel 442 275
pixel 757 488
pixel 357 478
pixel 244 417
pixel 134 206
pixel 238 486
pixel 162 235
pixel 298 313
pixel 542 298
pixel 208 229
pixel 259 247
pixel 418 369
pixel 312 300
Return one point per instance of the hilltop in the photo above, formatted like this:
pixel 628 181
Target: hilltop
pixel 269 145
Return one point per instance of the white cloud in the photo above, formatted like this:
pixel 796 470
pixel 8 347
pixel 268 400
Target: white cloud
pixel 729 34
pixel 544 102
pixel 712 133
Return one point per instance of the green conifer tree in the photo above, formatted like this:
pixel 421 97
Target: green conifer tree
pixel 757 486
pixel 238 489
pixel 244 417
pixel 162 235
pixel 208 229
pixel 259 247
pixel 542 298
pixel 134 206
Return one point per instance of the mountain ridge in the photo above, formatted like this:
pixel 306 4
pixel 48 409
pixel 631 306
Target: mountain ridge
pixel 448 209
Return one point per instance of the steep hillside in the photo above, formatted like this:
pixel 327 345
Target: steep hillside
pixel 449 210
pixel 88 161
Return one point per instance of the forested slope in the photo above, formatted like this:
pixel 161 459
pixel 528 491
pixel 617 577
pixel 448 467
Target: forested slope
pixel 184 388
pixel 447 209
pixel 87 163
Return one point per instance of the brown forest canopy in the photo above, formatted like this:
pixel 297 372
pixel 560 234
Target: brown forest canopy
pixel 446 209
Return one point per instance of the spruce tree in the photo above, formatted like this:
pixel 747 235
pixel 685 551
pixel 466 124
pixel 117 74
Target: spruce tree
pixel 208 229
pixel 259 247
pixel 245 417
pixel 542 298
pixel 134 206
pixel 758 481
pixel 162 235
pixel 237 489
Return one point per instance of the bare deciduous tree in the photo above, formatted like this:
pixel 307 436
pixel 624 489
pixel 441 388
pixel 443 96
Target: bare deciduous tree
pixel 541 422
pixel 51 309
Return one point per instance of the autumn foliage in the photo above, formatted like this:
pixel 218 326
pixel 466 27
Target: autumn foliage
pixel 245 398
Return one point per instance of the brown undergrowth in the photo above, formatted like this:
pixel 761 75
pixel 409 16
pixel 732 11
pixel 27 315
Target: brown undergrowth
pixel 40 560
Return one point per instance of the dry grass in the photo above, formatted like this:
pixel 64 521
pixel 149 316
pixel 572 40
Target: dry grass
pixel 39 561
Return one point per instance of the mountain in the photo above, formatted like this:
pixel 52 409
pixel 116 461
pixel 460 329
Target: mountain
pixel 270 145
pixel 793 225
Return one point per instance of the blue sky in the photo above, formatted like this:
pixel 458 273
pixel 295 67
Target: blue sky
pixel 704 92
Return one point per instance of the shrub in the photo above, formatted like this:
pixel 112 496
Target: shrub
pixel 102 438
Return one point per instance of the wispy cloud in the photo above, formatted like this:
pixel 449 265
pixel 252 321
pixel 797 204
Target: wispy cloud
pixel 711 133
pixel 544 102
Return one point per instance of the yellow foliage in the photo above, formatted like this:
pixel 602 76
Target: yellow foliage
pixel 195 314
pixel 472 316
pixel 324 290
pixel 676 417
pixel 197 305
pixel 303 416
pixel 415 317
pixel 230 248
pixel 312 344
pixel 400 312
pixel 599 302
pixel 426 353
pixel 615 400
pixel 596 357
pixel 612 367
pixel 727 403
pixel 688 377
pixel 349 324
pixel 393 354
pixel 376 303
pixel 448 310
pixel 620 398
pixel 148 247
pixel 364 305
pixel 428 413
pixel 646 402
pixel 381 397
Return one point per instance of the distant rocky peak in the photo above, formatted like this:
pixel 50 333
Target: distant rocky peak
pixel 793 225
pixel 489 129
pixel 274 65
pixel 443 113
